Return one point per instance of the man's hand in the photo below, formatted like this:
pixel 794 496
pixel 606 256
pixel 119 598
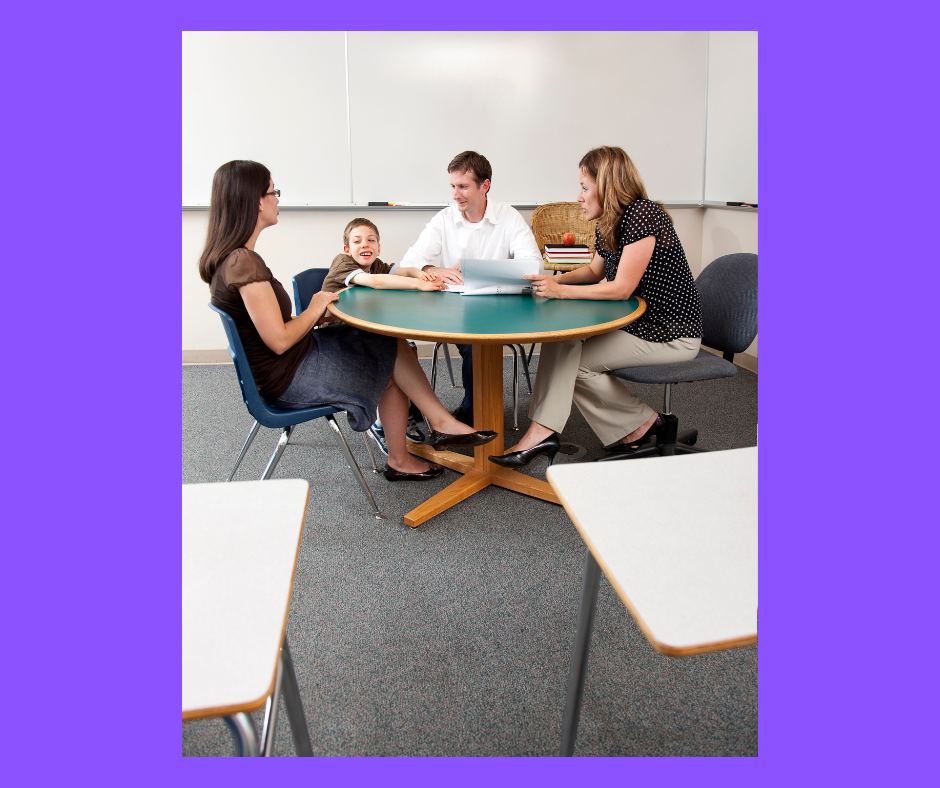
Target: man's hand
pixel 446 274
pixel 431 285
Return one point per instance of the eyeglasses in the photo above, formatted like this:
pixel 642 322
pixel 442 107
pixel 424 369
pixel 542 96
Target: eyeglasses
pixel 276 193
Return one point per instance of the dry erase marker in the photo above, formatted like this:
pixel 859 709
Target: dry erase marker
pixel 377 204
pixel 743 204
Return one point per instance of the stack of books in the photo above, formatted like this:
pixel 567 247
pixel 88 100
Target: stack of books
pixel 567 255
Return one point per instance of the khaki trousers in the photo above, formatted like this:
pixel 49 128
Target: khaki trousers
pixel 576 371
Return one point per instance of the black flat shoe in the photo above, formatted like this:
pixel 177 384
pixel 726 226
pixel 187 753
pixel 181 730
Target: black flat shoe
pixel 400 476
pixel 440 440
pixel 628 448
pixel 519 459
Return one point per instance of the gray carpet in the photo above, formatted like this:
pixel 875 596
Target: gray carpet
pixel 454 638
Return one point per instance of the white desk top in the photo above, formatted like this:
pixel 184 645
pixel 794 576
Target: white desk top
pixel 240 543
pixel 677 538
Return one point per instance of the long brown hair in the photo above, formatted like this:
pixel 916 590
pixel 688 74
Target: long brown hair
pixel 618 185
pixel 233 211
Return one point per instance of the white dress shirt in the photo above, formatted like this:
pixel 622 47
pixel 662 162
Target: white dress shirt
pixel 502 234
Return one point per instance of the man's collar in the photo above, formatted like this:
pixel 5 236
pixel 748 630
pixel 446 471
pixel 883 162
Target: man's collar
pixel 491 213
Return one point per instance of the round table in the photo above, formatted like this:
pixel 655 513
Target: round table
pixel 487 323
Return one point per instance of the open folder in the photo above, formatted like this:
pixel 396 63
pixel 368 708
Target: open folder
pixel 496 277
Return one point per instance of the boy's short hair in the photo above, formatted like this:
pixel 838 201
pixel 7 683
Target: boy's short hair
pixel 474 163
pixel 359 223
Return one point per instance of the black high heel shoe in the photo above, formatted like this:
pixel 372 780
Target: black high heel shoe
pixel 519 459
pixel 646 437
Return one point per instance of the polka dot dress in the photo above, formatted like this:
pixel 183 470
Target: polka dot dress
pixel 673 309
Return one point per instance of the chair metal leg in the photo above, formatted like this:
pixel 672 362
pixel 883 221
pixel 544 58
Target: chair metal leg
pixel 528 358
pixel 525 366
pixel 365 440
pixel 450 369
pixel 278 451
pixel 353 465
pixel 667 397
pixel 590 582
pixel 269 725
pixel 434 365
pixel 251 436
pixel 515 387
pixel 295 708
pixel 244 732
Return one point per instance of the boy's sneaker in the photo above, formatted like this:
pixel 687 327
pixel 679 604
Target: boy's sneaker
pixel 378 435
pixel 413 431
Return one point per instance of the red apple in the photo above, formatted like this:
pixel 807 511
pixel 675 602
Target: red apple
pixel 568 239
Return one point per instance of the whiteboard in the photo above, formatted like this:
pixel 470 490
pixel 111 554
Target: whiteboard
pixel 277 98
pixel 731 160
pixel 532 103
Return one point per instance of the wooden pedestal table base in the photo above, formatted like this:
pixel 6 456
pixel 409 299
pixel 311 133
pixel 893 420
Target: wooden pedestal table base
pixel 486 322
pixel 479 472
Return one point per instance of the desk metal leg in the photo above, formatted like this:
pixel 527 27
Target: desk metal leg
pixel 590 582
pixel 295 708
pixel 269 725
pixel 244 732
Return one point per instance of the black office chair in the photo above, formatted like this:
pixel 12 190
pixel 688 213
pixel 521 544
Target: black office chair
pixel 727 289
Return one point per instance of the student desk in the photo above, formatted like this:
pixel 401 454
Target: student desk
pixel 240 543
pixel 677 539
pixel 487 323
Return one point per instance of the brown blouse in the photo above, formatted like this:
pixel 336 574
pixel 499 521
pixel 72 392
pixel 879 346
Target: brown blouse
pixel 272 372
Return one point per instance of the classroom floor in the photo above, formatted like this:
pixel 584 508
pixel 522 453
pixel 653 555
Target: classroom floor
pixel 454 638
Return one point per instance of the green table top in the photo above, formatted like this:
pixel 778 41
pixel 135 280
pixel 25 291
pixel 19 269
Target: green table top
pixel 481 319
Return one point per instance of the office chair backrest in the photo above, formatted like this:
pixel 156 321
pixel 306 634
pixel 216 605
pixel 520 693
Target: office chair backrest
pixel 306 283
pixel 246 380
pixel 727 289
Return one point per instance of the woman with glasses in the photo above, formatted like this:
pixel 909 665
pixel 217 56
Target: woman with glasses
pixel 295 367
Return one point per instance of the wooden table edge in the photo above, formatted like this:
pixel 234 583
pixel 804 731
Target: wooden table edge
pixel 490 339
pixel 662 648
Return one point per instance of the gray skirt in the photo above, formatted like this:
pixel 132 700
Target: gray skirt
pixel 347 368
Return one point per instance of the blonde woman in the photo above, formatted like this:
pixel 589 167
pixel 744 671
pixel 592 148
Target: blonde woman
pixel 637 253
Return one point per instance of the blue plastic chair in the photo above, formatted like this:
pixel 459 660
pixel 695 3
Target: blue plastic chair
pixel 276 418
pixel 306 283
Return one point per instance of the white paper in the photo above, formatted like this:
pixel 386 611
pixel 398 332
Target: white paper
pixel 498 277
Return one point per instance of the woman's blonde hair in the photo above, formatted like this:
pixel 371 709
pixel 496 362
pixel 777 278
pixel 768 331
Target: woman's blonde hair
pixel 618 185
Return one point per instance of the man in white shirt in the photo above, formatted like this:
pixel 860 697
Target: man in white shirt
pixel 475 228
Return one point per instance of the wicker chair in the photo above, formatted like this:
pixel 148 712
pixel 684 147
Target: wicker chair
pixel 552 220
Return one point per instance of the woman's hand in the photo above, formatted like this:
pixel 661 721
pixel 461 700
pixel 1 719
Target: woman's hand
pixel 319 301
pixel 546 286
pixel 429 276
pixel 265 313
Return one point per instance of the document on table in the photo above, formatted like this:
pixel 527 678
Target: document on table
pixel 496 277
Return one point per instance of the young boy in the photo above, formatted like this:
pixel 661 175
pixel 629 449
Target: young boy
pixel 360 265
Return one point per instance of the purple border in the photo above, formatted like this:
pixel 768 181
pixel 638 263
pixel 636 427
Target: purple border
pixel 121 66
